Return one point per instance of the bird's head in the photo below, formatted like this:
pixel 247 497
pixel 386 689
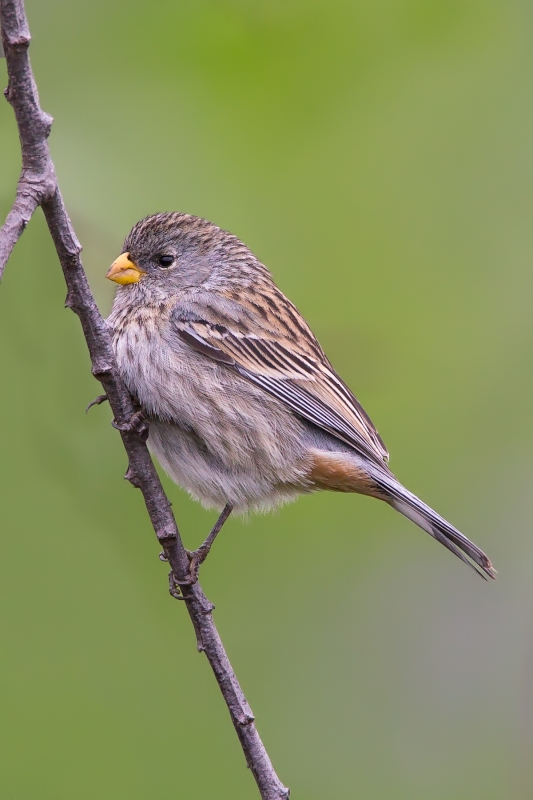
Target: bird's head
pixel 174 252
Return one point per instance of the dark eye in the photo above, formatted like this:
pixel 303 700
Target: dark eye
pixel 165 261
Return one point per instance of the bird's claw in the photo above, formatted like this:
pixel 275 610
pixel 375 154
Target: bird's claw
pixel 174 587
pixel 136 424
pixel 196 557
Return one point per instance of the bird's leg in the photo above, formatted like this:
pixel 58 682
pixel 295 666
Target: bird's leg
pixel 197 557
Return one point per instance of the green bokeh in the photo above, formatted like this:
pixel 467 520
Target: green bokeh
pixel 378 157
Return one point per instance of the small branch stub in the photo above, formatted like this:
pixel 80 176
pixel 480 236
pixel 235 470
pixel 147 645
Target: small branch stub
pixel 132 478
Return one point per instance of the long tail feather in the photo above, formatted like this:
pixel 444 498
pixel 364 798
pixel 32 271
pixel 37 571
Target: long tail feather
pixel 422 515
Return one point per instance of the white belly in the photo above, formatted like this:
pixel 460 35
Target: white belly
pixel 221 438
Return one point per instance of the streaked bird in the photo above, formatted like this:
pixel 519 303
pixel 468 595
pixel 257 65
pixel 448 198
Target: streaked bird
pixel 245 409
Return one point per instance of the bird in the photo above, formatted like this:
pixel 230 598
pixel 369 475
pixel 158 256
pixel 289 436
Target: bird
pixel 245 410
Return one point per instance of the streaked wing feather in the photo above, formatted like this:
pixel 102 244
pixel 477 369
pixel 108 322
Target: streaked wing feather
pixel 312 409
pixel 299 376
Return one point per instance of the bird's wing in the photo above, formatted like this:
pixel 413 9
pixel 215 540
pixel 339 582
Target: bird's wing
pixel 270 344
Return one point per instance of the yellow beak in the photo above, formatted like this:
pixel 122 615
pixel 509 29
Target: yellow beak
pixel 122 270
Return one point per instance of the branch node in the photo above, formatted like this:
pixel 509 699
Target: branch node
pixel 48 121
pixel 166 538
pixel 21 43
pixel 101 369
pixel 132 477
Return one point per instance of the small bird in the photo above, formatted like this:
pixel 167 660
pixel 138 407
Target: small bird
pixel 245 410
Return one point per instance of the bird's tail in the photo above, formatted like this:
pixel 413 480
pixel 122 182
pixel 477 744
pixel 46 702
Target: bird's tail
pixel 422 515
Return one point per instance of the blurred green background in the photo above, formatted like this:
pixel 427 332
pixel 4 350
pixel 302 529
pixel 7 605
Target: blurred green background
pixel 379 158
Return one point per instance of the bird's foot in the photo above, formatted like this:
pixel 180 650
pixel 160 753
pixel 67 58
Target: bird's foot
pixel 197 557
pixel 137 424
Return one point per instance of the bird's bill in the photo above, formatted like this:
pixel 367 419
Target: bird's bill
pixel 123 270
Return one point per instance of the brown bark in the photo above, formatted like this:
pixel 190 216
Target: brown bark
pixel 38 186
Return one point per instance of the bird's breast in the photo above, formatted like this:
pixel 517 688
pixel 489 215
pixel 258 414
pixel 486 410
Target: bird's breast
pixel 219 410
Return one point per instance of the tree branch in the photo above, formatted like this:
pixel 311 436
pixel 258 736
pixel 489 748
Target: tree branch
pixel 38 186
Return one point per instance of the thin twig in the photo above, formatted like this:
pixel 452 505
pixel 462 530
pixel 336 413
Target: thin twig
pixel 38 187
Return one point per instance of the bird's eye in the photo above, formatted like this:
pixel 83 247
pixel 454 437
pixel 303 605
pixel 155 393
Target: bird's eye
pixel 165 261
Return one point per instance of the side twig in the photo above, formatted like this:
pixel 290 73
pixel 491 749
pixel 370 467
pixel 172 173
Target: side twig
pixel 38 186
